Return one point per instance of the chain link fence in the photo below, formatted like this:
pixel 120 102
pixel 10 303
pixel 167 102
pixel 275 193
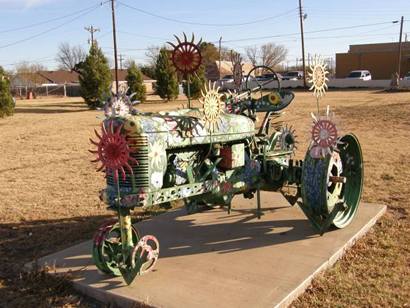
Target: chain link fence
pixel 71 90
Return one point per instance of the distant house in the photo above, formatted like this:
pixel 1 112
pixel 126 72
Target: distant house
pixel 58 77
pixel 148 82
pixel 212 70
pixel 45 78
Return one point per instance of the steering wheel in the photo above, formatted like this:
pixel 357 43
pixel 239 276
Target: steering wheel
pixel 260 84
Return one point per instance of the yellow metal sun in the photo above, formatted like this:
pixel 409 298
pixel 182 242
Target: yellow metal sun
pixel 213 107
pixel 317 77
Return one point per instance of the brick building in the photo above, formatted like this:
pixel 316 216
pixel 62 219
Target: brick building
pixel 380 59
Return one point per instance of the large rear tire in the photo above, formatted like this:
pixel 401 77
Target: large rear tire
pixel 332 186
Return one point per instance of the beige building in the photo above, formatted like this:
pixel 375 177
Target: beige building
pixel 212 70
pixel 380 59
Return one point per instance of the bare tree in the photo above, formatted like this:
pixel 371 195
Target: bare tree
pixel 226 53
pixel 28 73
pixel 68 57
pixel 270 54
pixel 152 54
pixel 252 54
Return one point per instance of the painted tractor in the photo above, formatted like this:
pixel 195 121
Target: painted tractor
pixel 205 156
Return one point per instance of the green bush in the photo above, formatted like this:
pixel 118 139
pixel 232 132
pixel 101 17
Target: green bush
pixel 135 82
pixel 167 83
pixel 197 82
pixel 6 100
pixel 95 78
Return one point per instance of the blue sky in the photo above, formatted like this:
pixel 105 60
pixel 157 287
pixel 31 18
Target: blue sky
pixel 137 30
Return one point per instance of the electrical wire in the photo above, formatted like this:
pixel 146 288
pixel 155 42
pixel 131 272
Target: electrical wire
pixel 144 36
pixel 48 21
pixel 206 24
pixel 307 32
pixel 49 30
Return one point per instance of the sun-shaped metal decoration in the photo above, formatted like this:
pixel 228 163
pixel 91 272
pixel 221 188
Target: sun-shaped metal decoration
pixel 113 150
pixel 317 77
pixel 117 106
pixel 237 65
pixel 287 140
pixel 213 106
pixel 324 135
pixel 186 55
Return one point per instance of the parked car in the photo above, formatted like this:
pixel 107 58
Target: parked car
pixel 227 78
pixel 292 75
pixel 268 76
pixel 407 76
pixel 360 74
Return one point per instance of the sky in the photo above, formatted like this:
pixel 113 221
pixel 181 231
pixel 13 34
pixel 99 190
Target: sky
pixel 32 30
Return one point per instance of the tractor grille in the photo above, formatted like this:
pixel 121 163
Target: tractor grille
pixel 141 172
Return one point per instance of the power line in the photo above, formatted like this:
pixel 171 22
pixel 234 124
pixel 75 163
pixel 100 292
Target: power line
pixel 206 24
pixel 144 36
pixel 47 21
pixel 39 60
pixel 49 30
pixel 315 31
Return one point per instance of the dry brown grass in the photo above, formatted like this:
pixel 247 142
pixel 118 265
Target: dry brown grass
pixel 49 193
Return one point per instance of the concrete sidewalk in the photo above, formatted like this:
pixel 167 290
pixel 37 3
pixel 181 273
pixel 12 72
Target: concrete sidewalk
pixel 213 259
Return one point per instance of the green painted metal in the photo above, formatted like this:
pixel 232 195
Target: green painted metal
pixel 107 250
pixel 328 202
pixel 179 158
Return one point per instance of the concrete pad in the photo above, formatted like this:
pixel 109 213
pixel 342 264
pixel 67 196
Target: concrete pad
pixel 213 259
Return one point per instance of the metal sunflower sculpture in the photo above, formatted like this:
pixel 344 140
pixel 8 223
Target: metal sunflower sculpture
pixel 324 135
pixel 317 77
pixel 324 131
pixel 113 151
pixel 213 106
pixel 186 55
pixel 186 58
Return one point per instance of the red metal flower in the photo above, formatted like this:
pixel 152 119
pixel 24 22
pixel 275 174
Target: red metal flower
pixel 186 56
pixel 324 133
pixel 113 151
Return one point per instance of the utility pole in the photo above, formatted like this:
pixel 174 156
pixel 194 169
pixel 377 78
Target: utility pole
pixel 301 17
pixel 399 57
pixel 219 68
pixel 121 59
pixel 92 30
pixel 114 37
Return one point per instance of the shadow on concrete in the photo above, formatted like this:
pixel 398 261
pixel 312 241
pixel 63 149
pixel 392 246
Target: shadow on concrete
pixel 179 235
pixel 241 230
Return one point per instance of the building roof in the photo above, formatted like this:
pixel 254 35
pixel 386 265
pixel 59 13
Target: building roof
pixel 378 47
pixel 59 77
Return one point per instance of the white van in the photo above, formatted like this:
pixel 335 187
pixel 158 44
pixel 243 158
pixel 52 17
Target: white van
pixel 360 74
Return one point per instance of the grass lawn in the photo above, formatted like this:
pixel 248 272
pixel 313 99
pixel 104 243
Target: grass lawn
pixel 49 196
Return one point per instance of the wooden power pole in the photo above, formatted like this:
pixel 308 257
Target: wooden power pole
pixel 400 43
pixel 303 43
pixel 114 37
pixel 92 30
pixel 219 66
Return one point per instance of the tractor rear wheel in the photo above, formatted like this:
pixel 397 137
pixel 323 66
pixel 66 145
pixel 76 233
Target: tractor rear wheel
pixel 332 186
